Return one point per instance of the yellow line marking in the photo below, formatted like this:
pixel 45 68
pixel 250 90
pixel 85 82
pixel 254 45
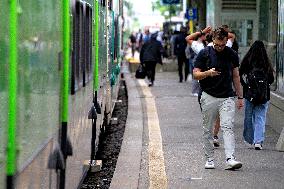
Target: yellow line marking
pixel 157 172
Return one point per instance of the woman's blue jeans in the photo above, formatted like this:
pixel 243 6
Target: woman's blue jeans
pixel 254 122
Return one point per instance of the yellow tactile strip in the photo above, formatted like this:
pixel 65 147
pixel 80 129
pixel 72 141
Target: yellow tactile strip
pixel 157 173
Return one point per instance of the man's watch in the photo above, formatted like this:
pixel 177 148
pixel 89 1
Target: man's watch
pixel 201 32
pixel 240 97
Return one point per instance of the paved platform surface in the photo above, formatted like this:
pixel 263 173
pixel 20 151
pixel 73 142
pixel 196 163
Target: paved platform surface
pixel 162 146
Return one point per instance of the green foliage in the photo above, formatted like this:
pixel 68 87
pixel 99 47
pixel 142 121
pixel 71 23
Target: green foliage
pixel 129 7
pixel 167 11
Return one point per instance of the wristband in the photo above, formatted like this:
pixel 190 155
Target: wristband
pixel 201 32
pixel 240 97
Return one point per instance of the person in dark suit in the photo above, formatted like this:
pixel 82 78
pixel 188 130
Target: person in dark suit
pixel 150 55
pixel 179 50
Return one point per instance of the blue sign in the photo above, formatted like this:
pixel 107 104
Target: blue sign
pixel 191 14
pixel 170 2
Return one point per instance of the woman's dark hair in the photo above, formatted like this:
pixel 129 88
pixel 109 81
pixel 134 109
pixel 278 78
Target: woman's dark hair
pixel 256 57
pixel 209 37
pixel 235 45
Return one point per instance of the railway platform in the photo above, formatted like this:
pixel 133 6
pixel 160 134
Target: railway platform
pixel 162 145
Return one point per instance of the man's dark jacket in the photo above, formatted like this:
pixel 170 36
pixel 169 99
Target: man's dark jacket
pixel 151 51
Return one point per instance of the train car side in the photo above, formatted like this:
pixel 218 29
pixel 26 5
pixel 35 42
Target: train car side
pixel 58 82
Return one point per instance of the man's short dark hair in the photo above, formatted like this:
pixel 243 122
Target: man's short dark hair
pixel 219 33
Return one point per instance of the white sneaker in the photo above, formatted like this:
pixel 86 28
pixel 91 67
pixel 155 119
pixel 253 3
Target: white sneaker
pixel 232 164
pixel 194 94
pixel 257 146
pixel 209 164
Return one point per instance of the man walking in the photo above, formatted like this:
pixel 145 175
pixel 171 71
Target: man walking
pixel 150 55
pixel 216 68
pixel 179 50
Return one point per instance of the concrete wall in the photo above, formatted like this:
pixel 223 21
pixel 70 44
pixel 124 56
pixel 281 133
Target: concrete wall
pixel 275 117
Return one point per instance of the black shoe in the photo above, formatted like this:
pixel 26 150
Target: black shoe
pixel 216 141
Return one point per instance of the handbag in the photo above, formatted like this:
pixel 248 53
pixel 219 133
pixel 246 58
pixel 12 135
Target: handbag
pixel 140 72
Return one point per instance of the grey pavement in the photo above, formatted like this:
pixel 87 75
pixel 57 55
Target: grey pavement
pixel 179 120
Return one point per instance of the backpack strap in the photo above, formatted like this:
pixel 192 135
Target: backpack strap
pixel 208 61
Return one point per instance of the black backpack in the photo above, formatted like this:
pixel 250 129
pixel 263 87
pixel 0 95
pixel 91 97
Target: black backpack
pixel 257 81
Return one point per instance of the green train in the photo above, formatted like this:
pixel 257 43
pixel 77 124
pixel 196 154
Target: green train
pixel 59 79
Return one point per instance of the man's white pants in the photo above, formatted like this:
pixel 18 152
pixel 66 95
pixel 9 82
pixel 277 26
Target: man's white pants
pixel 211 107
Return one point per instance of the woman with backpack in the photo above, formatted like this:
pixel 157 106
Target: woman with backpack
pixel 256 74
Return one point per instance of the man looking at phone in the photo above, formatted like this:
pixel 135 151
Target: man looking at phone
pixel 216 68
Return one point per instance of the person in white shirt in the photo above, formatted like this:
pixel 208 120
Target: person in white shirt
pixel 197 43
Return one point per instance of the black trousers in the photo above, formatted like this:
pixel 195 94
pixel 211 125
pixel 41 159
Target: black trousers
pixel 151 70
pixel 182 60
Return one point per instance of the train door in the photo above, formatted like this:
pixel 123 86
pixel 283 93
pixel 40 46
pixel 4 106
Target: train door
pixel 32 110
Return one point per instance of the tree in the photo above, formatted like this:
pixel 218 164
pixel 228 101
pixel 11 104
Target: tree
pixel 167 11
pixel 129 7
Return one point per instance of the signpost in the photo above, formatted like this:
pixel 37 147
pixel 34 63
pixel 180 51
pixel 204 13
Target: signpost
pixel 191 14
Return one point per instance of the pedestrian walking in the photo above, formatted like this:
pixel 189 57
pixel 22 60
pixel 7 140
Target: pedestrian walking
pixel 172 42
pixel 139 40
pixel 190 55
pixel 231 42
pixel 146 36
pixel 256 74
pixel 150 55
pixel 179 50
pixel 132 43
pixel 216 68
pixel 197 43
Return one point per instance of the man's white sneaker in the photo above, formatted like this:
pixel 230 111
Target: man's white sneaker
pixel 257 146
pixel 232 164
pixel 210 164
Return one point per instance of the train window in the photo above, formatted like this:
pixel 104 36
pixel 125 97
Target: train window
pixel 103 3
pixel 81 72
pixel 90 40
pixel 116 38
pixel 110 5
pixel 82 45
pixel 76 77
pixel 88 43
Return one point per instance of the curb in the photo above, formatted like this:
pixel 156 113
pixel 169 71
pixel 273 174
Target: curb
pixel 127 169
